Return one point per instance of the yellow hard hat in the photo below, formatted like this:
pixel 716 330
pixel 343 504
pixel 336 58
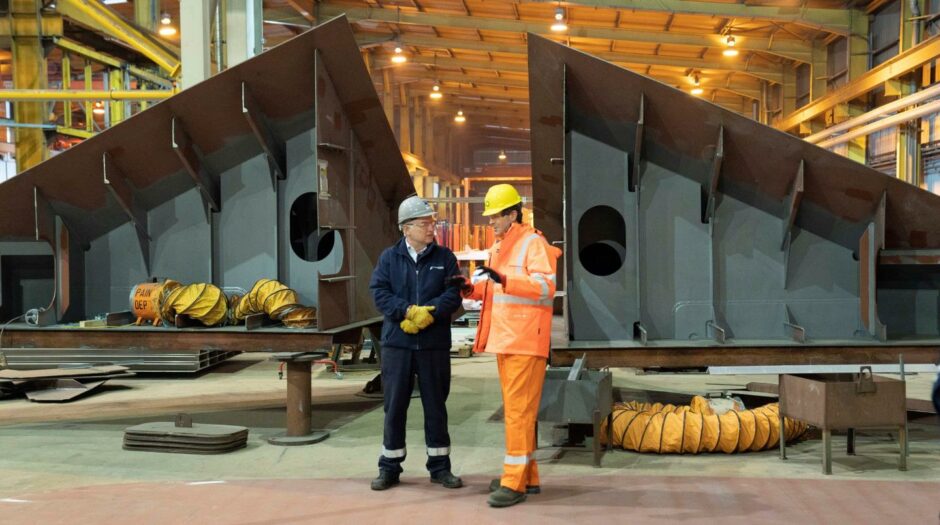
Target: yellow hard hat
pixel 500 197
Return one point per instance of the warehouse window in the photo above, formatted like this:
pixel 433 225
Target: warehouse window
pixel 884 31
pixel 932 23
pixel 837 63
pixel 775 104
pixel 803 82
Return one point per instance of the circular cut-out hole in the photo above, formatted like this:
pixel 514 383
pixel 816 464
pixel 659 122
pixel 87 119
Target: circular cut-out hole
pixel 602 239
pixel 602 258
pixel 305 240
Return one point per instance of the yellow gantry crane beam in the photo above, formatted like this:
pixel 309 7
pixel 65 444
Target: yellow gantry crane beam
pixel 108 60
pixel 40 95
pixel 95 15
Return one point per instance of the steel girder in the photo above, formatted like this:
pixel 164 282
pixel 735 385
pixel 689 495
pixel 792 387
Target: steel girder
pixel 694 236
pixel 281 167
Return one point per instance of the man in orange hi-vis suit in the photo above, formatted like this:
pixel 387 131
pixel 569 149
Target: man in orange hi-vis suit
pixel 517 287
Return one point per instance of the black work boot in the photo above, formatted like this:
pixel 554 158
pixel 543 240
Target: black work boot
pixel 504 497
pixel 529 489
pixel 385 480
pixel 447 479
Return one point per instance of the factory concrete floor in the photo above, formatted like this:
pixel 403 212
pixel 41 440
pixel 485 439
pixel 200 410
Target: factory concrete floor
pixel 64 463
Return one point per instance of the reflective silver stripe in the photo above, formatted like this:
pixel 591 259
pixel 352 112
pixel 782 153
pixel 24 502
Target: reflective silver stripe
pixel 515 460
pixel 525 247
pixel 439 451
pixel 539 278
pixel 397 453
pixel 512 299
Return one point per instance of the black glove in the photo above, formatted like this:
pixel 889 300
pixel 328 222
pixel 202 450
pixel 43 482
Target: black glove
pixel 461 283
pixel 497 277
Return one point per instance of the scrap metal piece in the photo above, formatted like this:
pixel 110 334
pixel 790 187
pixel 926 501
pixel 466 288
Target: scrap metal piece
pixel 59 390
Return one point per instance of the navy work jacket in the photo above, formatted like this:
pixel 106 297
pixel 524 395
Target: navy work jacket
pixel 399 282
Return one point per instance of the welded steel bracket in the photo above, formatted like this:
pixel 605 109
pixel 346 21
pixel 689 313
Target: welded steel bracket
pixel 193 163
pixel 274 149
pixel 793 330
pixel 123 193
pixel 793 208
pixel 639 333
pixel 708 211
pixel 717 333
pixel 634 176
pixel 68 255
pixel 869 246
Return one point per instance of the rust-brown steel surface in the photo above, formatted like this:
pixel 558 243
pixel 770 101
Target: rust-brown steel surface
pixel 694 236
pixel 307 109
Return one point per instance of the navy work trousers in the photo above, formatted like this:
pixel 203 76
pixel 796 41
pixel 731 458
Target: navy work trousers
pixel 399 367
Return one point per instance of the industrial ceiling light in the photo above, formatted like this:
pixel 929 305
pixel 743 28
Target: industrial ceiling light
pixel 165 28
pixel 559 25
pixel 399 56
pixel 502 155
pixel 436 92
pixel 460 118
pixel 730 51
pixel 98 109
pixel 697 90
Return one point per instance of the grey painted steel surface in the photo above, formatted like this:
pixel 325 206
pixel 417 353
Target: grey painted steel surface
pixel 685 223
pixel 283 166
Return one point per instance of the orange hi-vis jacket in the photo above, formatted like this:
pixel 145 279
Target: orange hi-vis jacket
pixel 517 315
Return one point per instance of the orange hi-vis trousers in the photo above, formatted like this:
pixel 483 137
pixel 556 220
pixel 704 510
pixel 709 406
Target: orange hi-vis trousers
pixel 521 378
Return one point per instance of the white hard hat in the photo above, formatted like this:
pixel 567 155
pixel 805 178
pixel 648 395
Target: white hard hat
pixel 412 208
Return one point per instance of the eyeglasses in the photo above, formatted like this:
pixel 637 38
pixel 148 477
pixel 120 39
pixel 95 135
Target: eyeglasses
pixel 423 224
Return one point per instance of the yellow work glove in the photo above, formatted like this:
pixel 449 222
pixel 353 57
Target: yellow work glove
pixel 420 315
pixel 409 327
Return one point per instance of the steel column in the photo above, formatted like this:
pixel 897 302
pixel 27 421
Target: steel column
pixel 243 33
pixel 194 37
pixel 29 72
pixel 146 13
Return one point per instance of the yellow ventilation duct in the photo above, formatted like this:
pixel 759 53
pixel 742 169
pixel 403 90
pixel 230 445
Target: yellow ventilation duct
pixel 201 302
pixel 695 428
pixel 277 301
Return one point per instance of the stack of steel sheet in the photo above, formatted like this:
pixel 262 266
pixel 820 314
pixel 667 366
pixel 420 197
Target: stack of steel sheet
pixel 180 438
pixel 136 359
